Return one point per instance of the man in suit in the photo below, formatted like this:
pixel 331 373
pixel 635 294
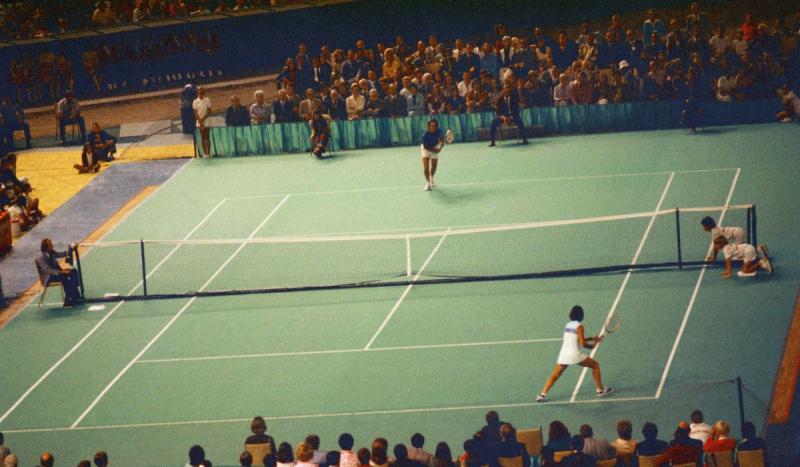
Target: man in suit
pixel 334 106
pixel 394 105
pixel 507 108
pixel 320 73
pixel 282 108
pixel 309 105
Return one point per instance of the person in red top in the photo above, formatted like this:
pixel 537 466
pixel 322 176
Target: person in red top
pixel 749 28
pixel 719 440
pixel 682 449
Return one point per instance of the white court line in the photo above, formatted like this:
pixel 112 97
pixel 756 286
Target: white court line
pixel 453 408
pixel 696 289
pixel 624 282
pixel 406 291
pixel 347 351
pixel 174 318
pixel 489 182
pixel 99 323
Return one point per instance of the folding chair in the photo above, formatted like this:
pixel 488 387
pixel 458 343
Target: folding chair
pixel 510 461
pixel 44 280
pixel 688 464
pixel 532 439
pixel 559 455
pixel 719 459
pixel 751 458
pixel 648 461
pixel 259 452
pixel 606 463
pixel 58 125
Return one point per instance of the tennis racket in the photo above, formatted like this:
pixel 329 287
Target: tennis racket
pixel 613 324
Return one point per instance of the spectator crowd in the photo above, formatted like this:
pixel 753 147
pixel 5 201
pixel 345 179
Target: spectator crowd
pixel 495 444
pixel 683 60
pixel 16 197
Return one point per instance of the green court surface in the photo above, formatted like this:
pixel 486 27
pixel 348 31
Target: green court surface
pixel 145 380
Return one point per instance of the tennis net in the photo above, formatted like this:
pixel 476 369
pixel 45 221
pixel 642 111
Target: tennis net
pixel 672 238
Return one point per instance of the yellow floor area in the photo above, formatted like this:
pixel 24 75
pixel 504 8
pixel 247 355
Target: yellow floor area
pixel 55 180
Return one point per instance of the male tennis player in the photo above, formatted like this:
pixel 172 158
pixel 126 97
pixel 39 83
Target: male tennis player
pixel 432 143
pixel 734 235
pixel 751 259
pixel 571 355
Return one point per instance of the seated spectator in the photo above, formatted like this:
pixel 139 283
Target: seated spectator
pixel 719 441
pixel 69 113
pixel 85 463
pixel 355 103
pixel 236 114
pixel 320 456
pixel 740 44
pixel 600 449
pixel 46 460
pixel 304 453
pixel 374 107
pixel 285 456
pixel 332 459
pixel 89 162
pixel 491 431
pixel 103 15
pixel 258 428
pixel 507 110
pixel 625 445
pixel 651 446
pixel 561 91
pixel 580 91
pixel 12 118
pixel 101 459
pixel 363 455
pixel 726 87
pixel 309 105
pixel 201 9
pixel 197 456
pixel 401 457
pixel 11 461
pixel 415 103
pixel 791 105
pixel 334 107
pixel 749 442
pixel 347 458
pixel 260 111
pixel 558 437
pixel 509 447
pixel 443 457
pixel 377 455
pixel 245 459
pixel 698 429
pixel 682 449
pixel 103 145
pixel 437 104
pixel 652 25
pixel 578 458
pixel 394 105
pixel 719 44
pixel 4 451
pixel 472 455
pixel 283 109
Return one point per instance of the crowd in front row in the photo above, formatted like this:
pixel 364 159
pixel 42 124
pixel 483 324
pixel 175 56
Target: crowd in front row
pixel 494 445
pixel 656 61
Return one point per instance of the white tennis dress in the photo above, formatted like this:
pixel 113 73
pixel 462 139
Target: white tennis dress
pixel 571 349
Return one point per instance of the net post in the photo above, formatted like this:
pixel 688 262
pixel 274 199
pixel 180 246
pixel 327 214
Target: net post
pixel 80 271
pixel 741 400
pixel 144 267
pixel 678 237
pixel 409 271
pixel 754 228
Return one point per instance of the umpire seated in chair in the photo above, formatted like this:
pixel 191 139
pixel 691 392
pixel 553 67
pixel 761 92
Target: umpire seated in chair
pixel 507 108
pixel 104 146
pixel 50 271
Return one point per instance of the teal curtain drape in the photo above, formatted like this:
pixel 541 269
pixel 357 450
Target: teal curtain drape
pixel 406 131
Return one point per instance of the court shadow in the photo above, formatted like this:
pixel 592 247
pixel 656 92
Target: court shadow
pixel 715 131
pixel 449 195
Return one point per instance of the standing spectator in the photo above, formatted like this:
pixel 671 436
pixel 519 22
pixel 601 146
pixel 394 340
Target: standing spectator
pixel 320 73
pixel 309 105
pixel 355 103
pixel 697 19
pixel 13 118
pixel 51 271
pixel 598 448
pixel 101 458
pixel 625 445
pixel 346 456
pixel 698 429
pixel 188 95
pixel 489 61
pixel 202 110
pixel 69 113
pixel 652 25
pixel 236 114
pixel 651 446
pixel 260 111
pixel 287 75
pixel 791 104
pixel 417 453
pixel 103 145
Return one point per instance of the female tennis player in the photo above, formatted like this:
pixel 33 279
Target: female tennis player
pixel 571 354
pixel 432 143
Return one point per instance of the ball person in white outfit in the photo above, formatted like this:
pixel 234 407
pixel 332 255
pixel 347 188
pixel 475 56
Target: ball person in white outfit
pixel 571 354
pixel 734 235
pixel 751 260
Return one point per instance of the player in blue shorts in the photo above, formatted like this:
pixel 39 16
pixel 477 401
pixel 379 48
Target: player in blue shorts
pixel 432 143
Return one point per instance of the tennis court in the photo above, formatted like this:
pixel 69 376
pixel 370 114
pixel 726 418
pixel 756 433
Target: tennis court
pixel 390 361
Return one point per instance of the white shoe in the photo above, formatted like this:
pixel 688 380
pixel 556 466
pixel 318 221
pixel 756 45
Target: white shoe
pixel 427 186
pixel 540 397
pixel 787 120
pixel 604 392
pixel 746 274
pixel 433 184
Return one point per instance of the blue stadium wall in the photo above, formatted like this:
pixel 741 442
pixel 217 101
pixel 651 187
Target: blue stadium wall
pixel 153 56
